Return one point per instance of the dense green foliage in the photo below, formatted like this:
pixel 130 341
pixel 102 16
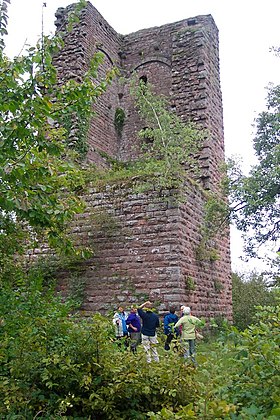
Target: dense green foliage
pixel 255 377
pixel 52 364
pixel 247 294
pixel 255 198
pixel 55 365
pixel 39 162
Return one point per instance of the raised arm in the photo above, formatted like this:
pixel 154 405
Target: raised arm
pixel 144 304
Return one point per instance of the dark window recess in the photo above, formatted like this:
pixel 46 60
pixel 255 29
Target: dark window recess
pixel 143 79
pixel 122 55
pixel 191 22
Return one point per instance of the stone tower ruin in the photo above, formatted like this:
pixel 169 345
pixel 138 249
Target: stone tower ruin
pixel 152 252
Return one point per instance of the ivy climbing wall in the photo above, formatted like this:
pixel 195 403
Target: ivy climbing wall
pixel 147 245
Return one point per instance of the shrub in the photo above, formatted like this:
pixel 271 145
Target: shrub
pixel 255 380
pixel 54 364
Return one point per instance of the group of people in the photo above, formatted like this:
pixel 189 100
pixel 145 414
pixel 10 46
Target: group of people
pixel 140 326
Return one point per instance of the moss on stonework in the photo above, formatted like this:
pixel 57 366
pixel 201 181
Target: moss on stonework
pixel 207 253
pixel 218 286
pixel 190 284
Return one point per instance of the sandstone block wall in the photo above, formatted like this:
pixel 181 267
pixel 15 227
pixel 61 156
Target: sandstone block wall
pixel 148 246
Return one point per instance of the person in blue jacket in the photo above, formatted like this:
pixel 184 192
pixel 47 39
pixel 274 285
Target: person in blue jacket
pixel 170 320
pixel 133 323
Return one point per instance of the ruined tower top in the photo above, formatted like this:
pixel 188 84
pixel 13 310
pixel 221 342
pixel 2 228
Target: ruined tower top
pixel 180 60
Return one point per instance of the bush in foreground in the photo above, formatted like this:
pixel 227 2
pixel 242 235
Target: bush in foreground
pixel 54 365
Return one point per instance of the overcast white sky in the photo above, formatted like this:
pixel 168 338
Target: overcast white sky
pixel 248 28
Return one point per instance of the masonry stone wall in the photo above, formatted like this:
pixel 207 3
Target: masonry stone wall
pixel 147 244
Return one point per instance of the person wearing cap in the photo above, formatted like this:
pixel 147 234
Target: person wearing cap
pixel 189 324
pixel 150 322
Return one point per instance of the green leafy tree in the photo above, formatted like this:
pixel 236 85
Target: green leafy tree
pixel 40 173
pixel 173 146
pixel 255 198
pixel 247 294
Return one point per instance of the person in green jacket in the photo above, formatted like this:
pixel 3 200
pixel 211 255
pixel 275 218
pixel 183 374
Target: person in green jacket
pixel 189 324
